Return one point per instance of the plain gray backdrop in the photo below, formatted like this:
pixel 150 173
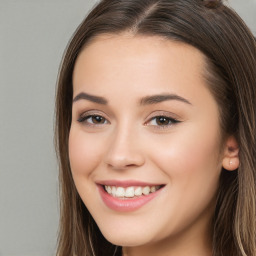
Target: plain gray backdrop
pixel 33 36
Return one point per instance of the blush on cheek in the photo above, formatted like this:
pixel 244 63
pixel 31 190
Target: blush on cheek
pixel 82 155
pixel 187 156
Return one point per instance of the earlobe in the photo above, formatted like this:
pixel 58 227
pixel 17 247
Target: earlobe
pixel 230 160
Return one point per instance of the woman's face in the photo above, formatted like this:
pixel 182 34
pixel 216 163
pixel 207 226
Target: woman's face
pixel 145 128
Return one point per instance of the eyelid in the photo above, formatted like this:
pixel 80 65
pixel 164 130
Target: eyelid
pixel 171 117
pixel 164 114
pixel 91 113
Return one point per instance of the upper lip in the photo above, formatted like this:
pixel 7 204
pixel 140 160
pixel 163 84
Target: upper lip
pixel 127 183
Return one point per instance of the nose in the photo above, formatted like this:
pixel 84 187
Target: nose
pixel 125 150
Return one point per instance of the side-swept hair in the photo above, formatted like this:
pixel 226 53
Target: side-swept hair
pixel 230 51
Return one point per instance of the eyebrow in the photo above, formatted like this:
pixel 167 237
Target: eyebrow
pixel 154 99
pixel 92 98
pixel 148 100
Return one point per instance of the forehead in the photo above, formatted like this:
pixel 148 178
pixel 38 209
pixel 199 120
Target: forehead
pixel 123 62
pixel 146 48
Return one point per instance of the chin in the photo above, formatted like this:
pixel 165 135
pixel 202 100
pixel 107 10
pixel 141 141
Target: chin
pixel 125 239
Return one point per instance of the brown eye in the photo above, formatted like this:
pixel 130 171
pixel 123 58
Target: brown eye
pixel 98 119
pixel 162 120
pixel 92 120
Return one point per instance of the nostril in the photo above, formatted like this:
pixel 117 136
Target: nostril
pixel 122 160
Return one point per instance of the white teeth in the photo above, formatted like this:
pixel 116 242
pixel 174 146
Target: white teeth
pixel 146 190
pixel 130 191
pixel 108 188
pixel 138 191
pixel 113 191
pixel 120 192
pixel 153 189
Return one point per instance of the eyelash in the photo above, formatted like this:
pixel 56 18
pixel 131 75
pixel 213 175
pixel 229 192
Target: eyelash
pixel 84 119
pixel 170 121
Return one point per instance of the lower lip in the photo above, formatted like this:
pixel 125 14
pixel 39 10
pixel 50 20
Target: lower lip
pixel 125 205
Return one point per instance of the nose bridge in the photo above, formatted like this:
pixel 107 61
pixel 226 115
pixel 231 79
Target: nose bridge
pixel 124 147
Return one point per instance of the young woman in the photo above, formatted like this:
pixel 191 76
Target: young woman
pixel 156 131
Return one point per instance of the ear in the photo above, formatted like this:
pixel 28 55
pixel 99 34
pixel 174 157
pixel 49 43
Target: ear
pixel 230 160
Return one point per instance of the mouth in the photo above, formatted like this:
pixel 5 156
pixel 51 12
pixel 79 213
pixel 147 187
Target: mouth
pixel 131 192
pixel 125 197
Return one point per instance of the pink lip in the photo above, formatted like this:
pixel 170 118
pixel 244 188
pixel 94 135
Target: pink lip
pixel 125 205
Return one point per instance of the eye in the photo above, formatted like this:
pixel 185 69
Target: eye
pixel 92 120
pixel 162 121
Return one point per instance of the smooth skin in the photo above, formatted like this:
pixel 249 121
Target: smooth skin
pixel 175 141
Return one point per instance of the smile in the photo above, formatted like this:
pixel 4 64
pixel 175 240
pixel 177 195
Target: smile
pixel 130 192
pixel 127 197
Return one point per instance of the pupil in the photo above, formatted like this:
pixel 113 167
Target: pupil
pixel 98 119
pixel 162 121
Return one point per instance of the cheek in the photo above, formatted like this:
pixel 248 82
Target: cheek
pixel 190 163
pixel 84 156
pixel 84 153
pixel 190 159
pixel 196 146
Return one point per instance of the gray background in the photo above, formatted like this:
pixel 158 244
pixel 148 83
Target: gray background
pixel 33 35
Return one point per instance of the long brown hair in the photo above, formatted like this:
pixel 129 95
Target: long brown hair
pixel 230 51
